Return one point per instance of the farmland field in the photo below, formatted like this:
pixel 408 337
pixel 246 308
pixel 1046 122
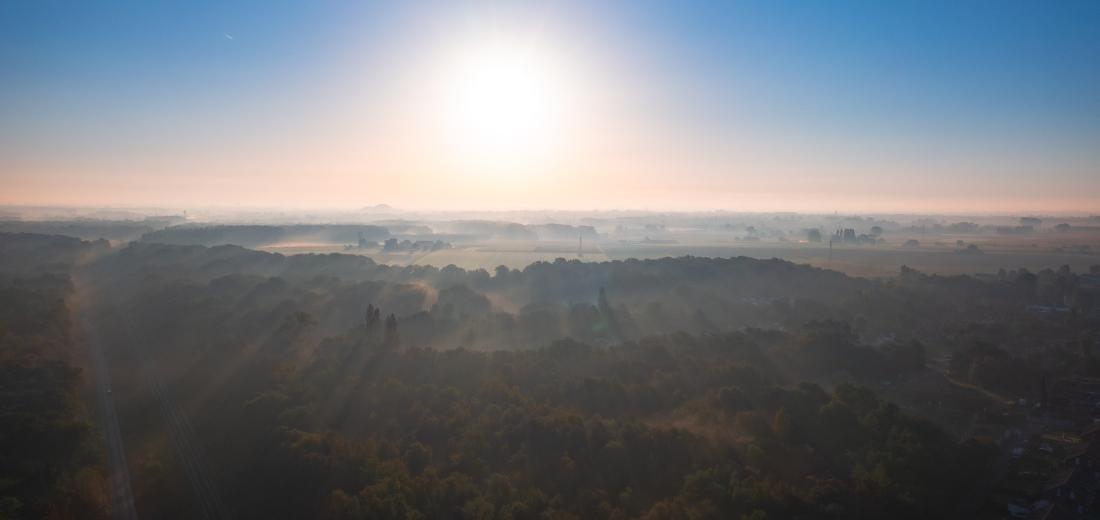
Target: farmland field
pixel 940 256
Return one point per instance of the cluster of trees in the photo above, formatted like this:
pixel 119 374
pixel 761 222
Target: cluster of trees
pixel 996 369
pixel 980 361
pixel 668 427
pixel 1061 286
pixel 540 303
pixel 91 229
pixel 502 230
pixel 849 236
pixel 50 460
pixel 696 295
pixel 28 254
pixel 330 385
pixel 598 303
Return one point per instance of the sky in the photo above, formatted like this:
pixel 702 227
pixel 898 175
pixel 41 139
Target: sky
pixel 852 106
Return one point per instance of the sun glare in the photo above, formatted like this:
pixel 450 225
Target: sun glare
pixel 503 105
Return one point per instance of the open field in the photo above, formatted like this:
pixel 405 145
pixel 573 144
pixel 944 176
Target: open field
pixel 940 255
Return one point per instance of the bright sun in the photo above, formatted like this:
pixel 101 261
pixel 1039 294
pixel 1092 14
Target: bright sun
pixel 503 105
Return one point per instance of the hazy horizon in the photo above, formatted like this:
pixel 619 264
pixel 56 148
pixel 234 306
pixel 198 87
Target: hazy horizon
pixel 368 212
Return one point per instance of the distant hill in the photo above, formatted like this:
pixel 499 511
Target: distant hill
pixel 377 208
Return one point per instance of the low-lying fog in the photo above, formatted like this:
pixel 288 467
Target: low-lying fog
pixel 865 245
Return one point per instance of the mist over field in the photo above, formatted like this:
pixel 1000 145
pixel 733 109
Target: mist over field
pixel 549 260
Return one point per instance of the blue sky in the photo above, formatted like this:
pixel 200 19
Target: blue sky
pixel 756 105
